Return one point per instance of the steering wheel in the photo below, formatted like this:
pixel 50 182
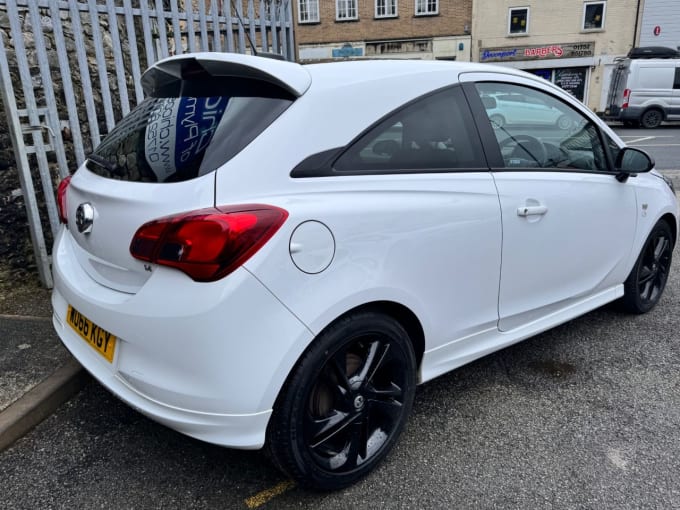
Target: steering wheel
pixel 526 147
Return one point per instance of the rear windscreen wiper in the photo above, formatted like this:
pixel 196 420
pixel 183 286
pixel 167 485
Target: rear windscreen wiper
pixel 102 162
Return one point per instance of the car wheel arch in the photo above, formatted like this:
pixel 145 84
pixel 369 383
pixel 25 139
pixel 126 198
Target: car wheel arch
pixel 673 223
pixel 397 311
pixel 652 108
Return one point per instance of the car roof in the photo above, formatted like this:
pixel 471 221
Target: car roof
pixel 299 78
pixel 356 71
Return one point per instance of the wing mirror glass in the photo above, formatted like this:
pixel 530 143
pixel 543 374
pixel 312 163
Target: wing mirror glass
pixel 634 161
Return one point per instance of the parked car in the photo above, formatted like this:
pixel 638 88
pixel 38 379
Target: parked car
pixel 520 109
pixel 266 254
pixel 645 88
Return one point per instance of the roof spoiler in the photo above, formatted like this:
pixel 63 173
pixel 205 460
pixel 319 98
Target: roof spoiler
pixel 289 76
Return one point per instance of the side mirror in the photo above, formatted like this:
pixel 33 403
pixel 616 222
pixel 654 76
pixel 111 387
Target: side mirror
pixel 634 161
pixel 489 102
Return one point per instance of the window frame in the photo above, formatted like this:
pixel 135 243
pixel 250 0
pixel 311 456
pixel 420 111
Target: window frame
pixel 307 3
pixel 526 28
pixel 603 3
pixel 427 11
pixel 394 4
pixel 676 78
pixel 347 6
pixel 490 142
pixel 323 164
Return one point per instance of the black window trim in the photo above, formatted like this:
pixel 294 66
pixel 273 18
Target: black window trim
pixel 322 164
pixel 676 78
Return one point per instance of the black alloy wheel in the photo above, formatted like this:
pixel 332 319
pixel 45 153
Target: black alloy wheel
pixel 647 280
pixel 651 118
pixel 345 403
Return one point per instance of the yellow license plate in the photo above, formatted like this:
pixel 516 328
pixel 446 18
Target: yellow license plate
pixel 99 339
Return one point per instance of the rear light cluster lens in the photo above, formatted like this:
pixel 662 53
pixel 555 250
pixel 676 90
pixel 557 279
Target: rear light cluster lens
pixel 61 199
pixel 207 244
pixel 626 97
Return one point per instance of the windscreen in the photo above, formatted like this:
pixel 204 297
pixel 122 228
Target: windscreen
pixel 193 129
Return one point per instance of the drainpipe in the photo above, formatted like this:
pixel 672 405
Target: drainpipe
pixel 637 18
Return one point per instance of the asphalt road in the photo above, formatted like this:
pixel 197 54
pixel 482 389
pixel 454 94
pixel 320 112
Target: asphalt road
pixel 662 143
pixel 584 416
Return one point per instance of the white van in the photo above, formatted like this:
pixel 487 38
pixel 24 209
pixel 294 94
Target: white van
pixel 645 89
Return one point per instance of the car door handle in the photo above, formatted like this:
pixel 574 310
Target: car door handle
pixel 532 210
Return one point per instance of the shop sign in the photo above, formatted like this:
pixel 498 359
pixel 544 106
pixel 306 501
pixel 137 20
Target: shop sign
pixel 346 51
pixel 537 52
pixel 573 80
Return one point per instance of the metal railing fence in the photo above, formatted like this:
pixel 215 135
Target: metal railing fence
pixel 69 70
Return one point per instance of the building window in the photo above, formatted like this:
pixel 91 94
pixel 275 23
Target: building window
pixel 346 9
pixel 593 15
pixel 427 7
pixel 385 8
pixel 518 21
pixel 308 11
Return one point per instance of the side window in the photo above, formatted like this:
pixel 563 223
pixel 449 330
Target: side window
pixel 540 131
pixel 433 133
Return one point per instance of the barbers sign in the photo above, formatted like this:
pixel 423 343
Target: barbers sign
pixel 537 52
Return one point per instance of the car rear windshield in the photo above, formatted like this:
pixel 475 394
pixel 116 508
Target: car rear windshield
pixel 189 130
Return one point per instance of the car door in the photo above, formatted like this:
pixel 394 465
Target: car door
pixel 568 223
pixel 674 111
pixel 425 201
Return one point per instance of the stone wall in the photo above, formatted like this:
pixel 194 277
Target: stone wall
pixel 16 251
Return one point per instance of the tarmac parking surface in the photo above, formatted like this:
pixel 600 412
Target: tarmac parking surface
pixel 583 416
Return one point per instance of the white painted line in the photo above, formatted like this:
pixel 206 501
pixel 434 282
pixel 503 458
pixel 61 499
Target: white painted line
pixel 636 140
pixel 656 144
pixel 657 136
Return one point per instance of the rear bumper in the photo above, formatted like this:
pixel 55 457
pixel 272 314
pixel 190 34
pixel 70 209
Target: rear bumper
pixel 207 360
pixel 616 113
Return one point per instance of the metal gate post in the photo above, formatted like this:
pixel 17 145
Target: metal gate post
pixel 39 248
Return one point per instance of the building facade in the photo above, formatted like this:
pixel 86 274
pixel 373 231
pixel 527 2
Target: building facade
pixel 660 24
pixel 572 43
pixel 328 30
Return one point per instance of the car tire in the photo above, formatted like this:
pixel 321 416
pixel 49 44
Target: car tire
pixel 345 403
pixel 564 122
pixel 645 284
pixel 497 121
pixel 651 119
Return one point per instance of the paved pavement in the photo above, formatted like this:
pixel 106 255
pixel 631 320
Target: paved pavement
pixel 37 373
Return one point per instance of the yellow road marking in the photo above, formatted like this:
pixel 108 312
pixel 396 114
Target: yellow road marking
pixel 266 495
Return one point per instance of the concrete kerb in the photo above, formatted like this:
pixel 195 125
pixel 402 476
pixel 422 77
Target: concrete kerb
pixel 40 402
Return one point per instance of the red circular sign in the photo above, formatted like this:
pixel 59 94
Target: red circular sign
pixel 657 30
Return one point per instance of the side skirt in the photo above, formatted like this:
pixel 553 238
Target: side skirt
pixel 447 357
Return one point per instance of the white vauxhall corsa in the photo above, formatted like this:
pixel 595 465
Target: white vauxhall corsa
pixel 266 254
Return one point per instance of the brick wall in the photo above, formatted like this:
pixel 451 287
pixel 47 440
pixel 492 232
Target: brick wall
pixel 453 19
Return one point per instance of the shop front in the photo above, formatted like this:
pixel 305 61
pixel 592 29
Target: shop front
pixel 567 65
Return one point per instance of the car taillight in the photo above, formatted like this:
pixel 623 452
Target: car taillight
pixel 207 244
pixel 61 199
pixel 626 97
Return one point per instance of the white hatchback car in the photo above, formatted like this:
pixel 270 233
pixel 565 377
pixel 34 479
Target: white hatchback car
pixel 263 253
